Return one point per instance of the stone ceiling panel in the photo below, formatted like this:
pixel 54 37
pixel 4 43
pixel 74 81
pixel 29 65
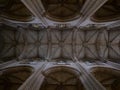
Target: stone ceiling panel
pixel 62 45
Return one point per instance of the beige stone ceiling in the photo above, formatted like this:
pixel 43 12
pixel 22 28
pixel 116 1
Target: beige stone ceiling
pixel 57 45
pixel 11 43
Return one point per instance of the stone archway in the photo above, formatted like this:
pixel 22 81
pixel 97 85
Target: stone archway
pixel 108 77
pixel 61 78
pixel 13 77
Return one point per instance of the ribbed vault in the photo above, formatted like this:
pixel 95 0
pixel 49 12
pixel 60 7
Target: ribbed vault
pixel 57 45
pixel 13 42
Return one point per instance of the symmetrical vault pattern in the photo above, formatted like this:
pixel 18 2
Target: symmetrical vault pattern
pixel 13 44
pixel 56 45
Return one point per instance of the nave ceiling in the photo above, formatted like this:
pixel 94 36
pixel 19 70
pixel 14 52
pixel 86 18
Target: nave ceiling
pixel 66 45
pixel 59 31
pixel 65 41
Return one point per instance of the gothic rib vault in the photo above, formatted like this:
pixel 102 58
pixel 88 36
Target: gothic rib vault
pixel 59 44
pixel 56 45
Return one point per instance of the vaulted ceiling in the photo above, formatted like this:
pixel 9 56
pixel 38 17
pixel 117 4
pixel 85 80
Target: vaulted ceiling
pixel 65 44
pixel 57 35
pixel 51 30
